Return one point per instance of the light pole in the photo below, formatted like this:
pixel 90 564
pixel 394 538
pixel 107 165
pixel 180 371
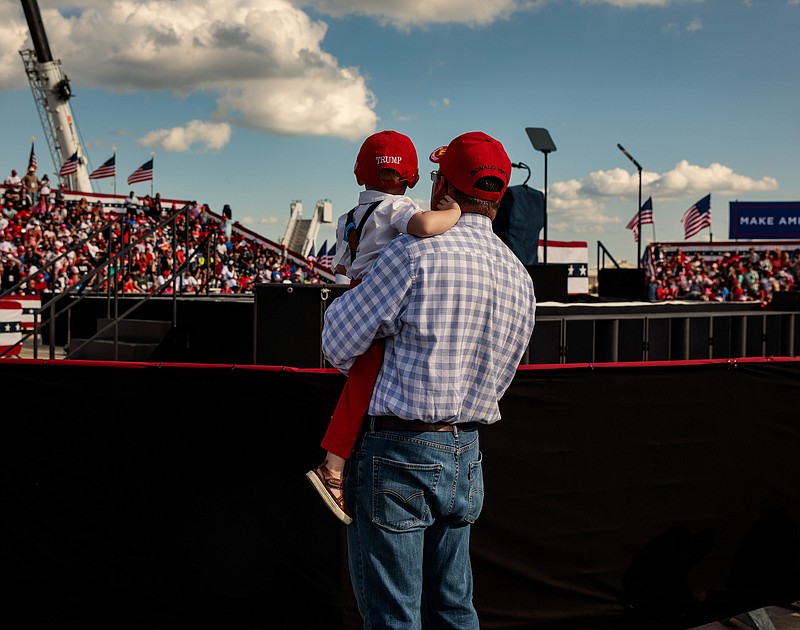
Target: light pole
pixel 541 141
pixel 639 208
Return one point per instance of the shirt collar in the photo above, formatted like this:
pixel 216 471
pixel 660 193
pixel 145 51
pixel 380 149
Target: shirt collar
pixel 472 218
pixel 370 196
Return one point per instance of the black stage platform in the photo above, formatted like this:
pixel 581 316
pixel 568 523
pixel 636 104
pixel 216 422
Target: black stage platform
pixel 648 496
pixel 281 325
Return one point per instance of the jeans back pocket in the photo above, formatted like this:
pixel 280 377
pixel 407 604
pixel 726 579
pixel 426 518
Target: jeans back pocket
pixel 400 492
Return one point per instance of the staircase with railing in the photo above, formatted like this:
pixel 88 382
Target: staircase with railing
pixel 118 336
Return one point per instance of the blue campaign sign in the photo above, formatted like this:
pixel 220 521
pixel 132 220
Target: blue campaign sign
pixel 764 219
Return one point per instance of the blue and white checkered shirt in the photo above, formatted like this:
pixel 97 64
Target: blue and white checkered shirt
pixel 457 311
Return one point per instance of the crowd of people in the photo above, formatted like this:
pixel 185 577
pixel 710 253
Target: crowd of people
pixel 733 277
pixel 38 224
pixel 50 243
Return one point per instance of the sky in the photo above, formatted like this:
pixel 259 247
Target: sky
pixel 259 103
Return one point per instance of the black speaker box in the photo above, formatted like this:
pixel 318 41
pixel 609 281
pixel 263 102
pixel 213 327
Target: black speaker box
pixel 289 323
pixel 785 301
pixel 625 284
pixel 549 281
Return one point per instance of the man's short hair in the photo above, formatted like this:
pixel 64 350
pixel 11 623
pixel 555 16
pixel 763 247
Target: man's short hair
pixel 486 184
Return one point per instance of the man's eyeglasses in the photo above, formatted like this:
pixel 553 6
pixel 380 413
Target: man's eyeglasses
pixel 434 175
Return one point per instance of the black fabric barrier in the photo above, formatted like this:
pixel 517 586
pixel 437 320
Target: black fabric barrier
pixel 173 496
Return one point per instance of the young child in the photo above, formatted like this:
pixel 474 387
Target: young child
pixel 386 166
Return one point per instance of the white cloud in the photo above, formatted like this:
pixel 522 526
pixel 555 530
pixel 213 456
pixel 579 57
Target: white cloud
pixel 271 221
pixel 443 102
pixel 574 208
pixel 327 105
pixel 249 220
pixel 583 202
pixel 684 179
pixel 263 58
pixel 629 4
pixel 689 178
pixel 423 12
pixel 13 32
pixel 695 25
pixel 211 136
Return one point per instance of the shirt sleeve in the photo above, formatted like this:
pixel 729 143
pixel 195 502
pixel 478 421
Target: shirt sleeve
pixel 368 311
pixel 402 210
pixel 342 256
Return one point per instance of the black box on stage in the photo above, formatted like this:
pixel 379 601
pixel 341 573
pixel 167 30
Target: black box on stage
pixel 625 284
pixel 785 301
pixel 549 281
pixel 289 321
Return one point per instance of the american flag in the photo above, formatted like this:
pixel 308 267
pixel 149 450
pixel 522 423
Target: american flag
pixel 32 159
pixel 649 261
pixel 107 169
pixel 647 217
pixel 70 167
pixel 10 327
pixel 143 173
pixel 697 217
pixel 323 252
pixel 325 257
pixel 30 304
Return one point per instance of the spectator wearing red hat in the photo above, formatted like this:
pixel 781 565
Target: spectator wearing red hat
pixel 386 166
pixel 13 180
pixel 456 312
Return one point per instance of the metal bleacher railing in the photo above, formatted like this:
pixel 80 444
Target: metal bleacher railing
pixel 105 276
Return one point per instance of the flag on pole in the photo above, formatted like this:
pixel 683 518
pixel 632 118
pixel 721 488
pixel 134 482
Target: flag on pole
pixel 649 261
pixel 143 173
pixel 107 169
pixel 312 255
pixel 70 167
pixel 32 159
pixel 697 217
pixel 323 251
pixel 331 255
pixel 647 217
pixel 325 257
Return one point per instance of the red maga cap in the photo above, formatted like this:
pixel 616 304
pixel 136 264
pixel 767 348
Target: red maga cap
pixel 386 149
pixel 471 156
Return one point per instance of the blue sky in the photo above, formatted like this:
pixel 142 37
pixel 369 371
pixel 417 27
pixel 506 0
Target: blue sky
pixel 256 103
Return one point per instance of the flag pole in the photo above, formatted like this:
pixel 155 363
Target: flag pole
pixel 114 151
pixel 152 178
pixel 710 231
pixel 639 210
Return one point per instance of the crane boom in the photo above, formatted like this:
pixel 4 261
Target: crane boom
pixel 52 92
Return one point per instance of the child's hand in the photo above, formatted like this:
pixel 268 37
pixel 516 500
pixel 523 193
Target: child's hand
pixel 448 203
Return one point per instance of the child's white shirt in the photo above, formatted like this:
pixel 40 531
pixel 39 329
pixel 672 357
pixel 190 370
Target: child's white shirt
pixel 389 219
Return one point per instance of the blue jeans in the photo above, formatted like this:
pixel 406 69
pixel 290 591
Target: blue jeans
pixel 413 497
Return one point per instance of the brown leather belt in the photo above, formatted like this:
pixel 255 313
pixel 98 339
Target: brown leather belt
pixel 393 423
